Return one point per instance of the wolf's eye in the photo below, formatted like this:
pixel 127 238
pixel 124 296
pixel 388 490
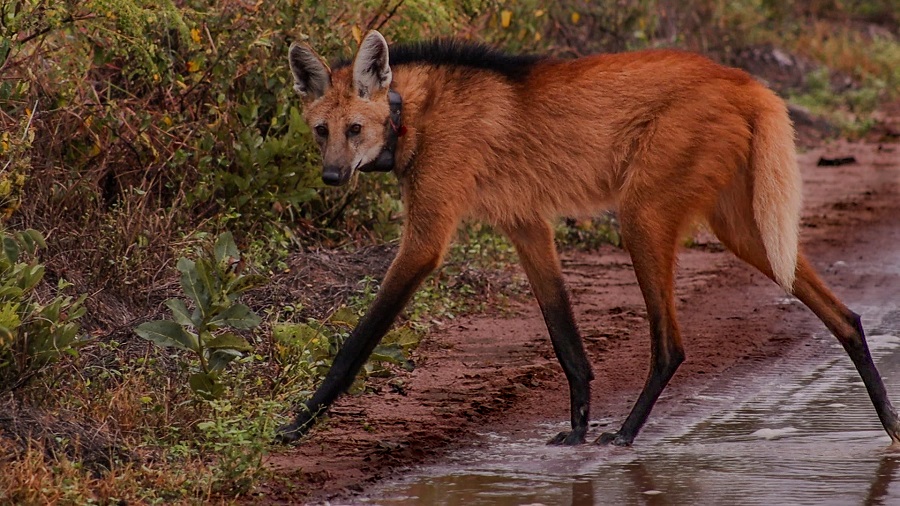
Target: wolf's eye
pixel 322 130
pixel 354 129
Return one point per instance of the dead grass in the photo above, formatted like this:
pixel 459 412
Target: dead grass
pixel 31 478
pixel 862 52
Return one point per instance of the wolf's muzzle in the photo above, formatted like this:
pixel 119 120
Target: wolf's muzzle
pixel 335 176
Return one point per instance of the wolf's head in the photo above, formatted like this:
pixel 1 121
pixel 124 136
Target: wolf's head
pixel 349 112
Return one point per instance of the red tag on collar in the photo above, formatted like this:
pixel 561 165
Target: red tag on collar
pixel 399 131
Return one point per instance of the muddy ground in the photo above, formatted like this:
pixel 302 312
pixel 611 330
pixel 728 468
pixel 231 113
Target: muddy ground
pixel 497 370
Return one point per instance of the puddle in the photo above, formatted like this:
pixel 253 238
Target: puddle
pixel 804 432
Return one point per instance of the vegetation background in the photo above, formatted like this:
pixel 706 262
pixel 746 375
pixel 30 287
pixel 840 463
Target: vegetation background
pixel 134 133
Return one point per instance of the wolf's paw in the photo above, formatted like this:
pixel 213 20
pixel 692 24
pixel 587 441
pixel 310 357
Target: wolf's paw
pixel 568 439
pixel 613 438
pixel 291 432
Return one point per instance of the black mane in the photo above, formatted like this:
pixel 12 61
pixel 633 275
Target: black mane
pixel 454 52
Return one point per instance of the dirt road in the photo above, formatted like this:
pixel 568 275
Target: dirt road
pixel 498 371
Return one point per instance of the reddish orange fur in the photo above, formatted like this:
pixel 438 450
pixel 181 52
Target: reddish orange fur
pixel 660 130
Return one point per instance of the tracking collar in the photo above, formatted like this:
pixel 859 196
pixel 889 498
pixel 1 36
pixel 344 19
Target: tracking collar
pixel 384 162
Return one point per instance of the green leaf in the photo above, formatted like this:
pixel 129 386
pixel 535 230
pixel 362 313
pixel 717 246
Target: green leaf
pixel 9 317
pixel 31 239
pixel 388 353
pixel 345 316
pixel 180 312
pixel 238 316
pixel 11 249
pixel 209 278
pixel 50 312
pixel 406 337
pixel 26 242
pixel 10 292
pixel 295 334
pixel 392 353
pixel 225 249
pixel 36 237
pixel 193 286
pixel 197 317
pixel 31 276
pixel 166 333
pixel 76 312
pixel 205 385
pixel 230 341
pixel 220 358
pixel 205 337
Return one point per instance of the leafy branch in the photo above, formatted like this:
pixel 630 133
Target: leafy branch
pixel 32 334
pixel 213 283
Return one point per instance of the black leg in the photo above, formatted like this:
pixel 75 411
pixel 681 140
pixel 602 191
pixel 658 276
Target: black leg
pixel 353 355
pixel 653 255
pixel 847 327
pixel 858 350
pixel 537 252
pixel 413 263
pixel 665 359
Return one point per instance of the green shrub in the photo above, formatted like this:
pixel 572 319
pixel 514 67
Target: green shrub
pixel 32 334
pixel 239 437
pixel 213 283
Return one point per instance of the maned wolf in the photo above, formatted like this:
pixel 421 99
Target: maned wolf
pixel 664 137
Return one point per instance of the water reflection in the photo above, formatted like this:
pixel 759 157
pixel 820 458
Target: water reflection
pixel 582 493
pixel 886 473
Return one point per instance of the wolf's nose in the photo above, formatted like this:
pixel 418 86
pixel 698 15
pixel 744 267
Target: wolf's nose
pixel 331 178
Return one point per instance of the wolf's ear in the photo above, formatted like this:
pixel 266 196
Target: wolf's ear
pixel 312 77
pixel 371 71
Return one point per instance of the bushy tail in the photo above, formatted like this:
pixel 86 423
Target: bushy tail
pixel 777 195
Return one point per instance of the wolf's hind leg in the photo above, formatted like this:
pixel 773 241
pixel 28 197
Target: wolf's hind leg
pixel 537 252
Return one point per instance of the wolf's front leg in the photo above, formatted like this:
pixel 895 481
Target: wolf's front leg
pixel 418 256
